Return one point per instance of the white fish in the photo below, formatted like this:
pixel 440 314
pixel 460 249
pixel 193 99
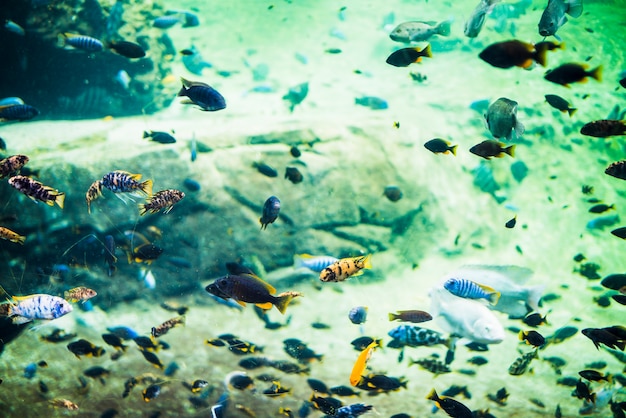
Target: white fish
pixel 40 306
pixel 465 317
pixel 510 282
pixel 474 24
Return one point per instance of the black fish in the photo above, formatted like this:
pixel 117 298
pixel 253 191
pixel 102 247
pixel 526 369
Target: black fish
pixel 85 348
pixel 513 53
pixel 202 95
pixel 601 208
pixel 615 282
pixel 491 148
pixel 440 146
pixel 393 193
pixel 18 112
pixel 127 49
pixel 160 137
pixel 571 73
pixel 612 337
pixel 511 223
pixel 271 209
pixel 617 169
pixel 560 104
pixel 407 56
pixel 452 407
pixel 604 128
pixel 146 253
pixel 293 175
pixel 265 169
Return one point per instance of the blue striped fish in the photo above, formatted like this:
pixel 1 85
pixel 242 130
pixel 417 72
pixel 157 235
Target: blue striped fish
pixel 86 43
pixel 315 263
pixel 40 306
pixel 471 290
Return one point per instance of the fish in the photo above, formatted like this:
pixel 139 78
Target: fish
pixel 114 341
pixel 619 232
pixel 265 169
pixel 617 169
pixel 160 137
pixel 615 282
pixel 296 95
pixel 239 380
pixel 7 234
pixel 146 343
pixel 63 403
pixel 79 294
pixel 343 391
pixel 145 253
pixel 419 31
pixel 24 309
pixel 97 372
pixel 193 61
pixel 513 53
pixel 358 315
pixel 94 191
pixel 501 118
pixel 393 193
pixel 440 146
pixel 380 383
pixel 12 164
pixel 560 104
pixel 604 128
pixel 124 182
pixel 468 318
pixel 300 351
pixel 166 22
pixel 83 347
pixel 553 17
pixel 490 148
pixel 373 102
pixel 572 72
pixel 163 329
pixel 153 359
pixel 511 222
pixel 276 389
pixel 535 319
pixel 414 316
pixel 202 95
pixel 346 268
pixel 407 56
pixel 293 175
pixel 37 191
pixel 18 112
pixel 532 337
pixel 451 406
pixel 601 208
pixel 414 336
pixel 82 42
pixel 432 365
pixel 474 24
pixel 520 365
pixel 151 392
pixel 360 363
pixel 249 288
pixel 603 221
pixel 13 27
pixel 271 209
pixel 612 337
pixel 315 263
pixel 596 376
pixel 127 49
pixel 57 336
pixel 164 199
pixel 468 289
pixel 499 397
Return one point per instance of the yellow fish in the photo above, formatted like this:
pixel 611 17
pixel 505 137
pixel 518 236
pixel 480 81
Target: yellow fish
pixel 361 361
pixel 345 268
pixel 7 234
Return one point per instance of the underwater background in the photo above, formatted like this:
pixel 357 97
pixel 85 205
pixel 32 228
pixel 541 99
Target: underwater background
pixel 295 100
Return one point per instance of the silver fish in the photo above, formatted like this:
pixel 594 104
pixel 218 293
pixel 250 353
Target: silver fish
pixel 474 24
pixel 553 16
pixel 40 306
pixel 502 120
pixel 418 31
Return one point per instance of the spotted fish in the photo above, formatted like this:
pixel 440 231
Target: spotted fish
pixel 24 309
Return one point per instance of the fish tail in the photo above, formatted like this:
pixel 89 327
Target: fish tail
pixel 621 345
pixel 432 395
pixel 282 302
pixel 146 187
pixel 142 209
pixel 59 199
pixel 367 262
pixel 427 52
pixel 443 28
pixel 596 73
pixel 494 297
pixel 392 316
pixel 452 149
pixel 522 335
pixel 571 111
pixel 146 134
pixel 510 150
pixel 540 56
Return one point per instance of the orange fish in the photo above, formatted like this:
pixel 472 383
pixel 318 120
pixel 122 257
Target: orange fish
pixel 361 361
pixel 345 268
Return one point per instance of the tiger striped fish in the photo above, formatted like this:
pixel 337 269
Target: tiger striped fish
pixel 37 191
pixel 345 268
pixel 12 165
pixel 124 182
pixel 25 309
pixel 165 199
pixel 471 290
pixel 6 233
pixel 95 190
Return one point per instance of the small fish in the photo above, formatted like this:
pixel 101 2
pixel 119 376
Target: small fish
pixel 601 208
pixel 414 336
pixel 373 102
pixel 315 263
pixel 475 22
pixel 57 336
pixel 345 268
pixel 535 319
pixel 193 61
pixel 94 191
pixel 239 380
pixel 160 137
pixel 164 199
pixel 501 118
pixel 6 233
pixel 151 392
pixel 490 148
pixel 167 325
pixel 619 232
pixel 360 363
pixel 533 338
pixel 471 290
pixel 360 343
pixel 166 22
pixel 596 376
pixel 63 403
pixel 114 341
pixel 452 407
pixel 393 193
pixel 513 53
pixel 440 146
pixel 146 343
pixel 499 397
pixel 560 104
pixel 79 294
pixel 358 314
pixel 553 17
pixel 418 31
pixel 83 347
pixel 146 253
pixel 343 391
pixel 12 164
pixel 583 391
pixel 566 74
pixel 37 191
pixel 271 209
pixel 414 316
pixel 604 128
pixel 198 385
pixel 617 169
pixel 276 390
pixel 293 175
pixel 23 309
pixel 127 49
pixel 18 112
pixel 296 95
pixel 124 182
pixel 477 361
pixel 318 386
pixel 562 334
pixel 520 365
pixel 407 56
pixel 511 222
pixel 265 169
pixel 248 288
pixel 432 365
pixel 13 27
pixel 153 359
pixel 202 95
pixel 97 372
pixel 300 351
pixel 85 43
pixel 612 337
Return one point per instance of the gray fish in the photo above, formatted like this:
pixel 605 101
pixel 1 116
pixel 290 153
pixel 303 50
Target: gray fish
pixel 502 120
pixel 418 31
pixel 296 95
pixel 474 24
pixel 553 16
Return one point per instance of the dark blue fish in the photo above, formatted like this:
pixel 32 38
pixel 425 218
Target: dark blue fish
pixel 358 314
pixel 123 332
pixel 468 289
pixel 374 103
pixel 86 43
pixel 160 137
pixel 18 112
pixel 271 208
pixel 166 22
pixel 202 95
pixel 193 61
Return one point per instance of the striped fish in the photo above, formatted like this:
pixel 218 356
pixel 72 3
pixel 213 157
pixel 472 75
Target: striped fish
pixel 86 43
pixel 468 289
pixel 40 306
pixel 315 263
pixel 124 182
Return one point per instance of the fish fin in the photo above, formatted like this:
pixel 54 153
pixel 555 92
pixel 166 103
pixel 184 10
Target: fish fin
pixel 281 302
pixel 146 134
pixel 596 73
pixel 19 320
pixel 540 57
pixel 494 297
pixel 142 209
pixel 265 284
pixel 443 28
pixel 367 262
pixel 146 187
pixel 240 302
pixel 432 395
pixel 427 52
pixel 510 150
pixel 527 64
pixel 522 335
pixel 265 306
pixel 392 317
pixel 575 8
pixel 452 149
pixel 22 298
pixel 571 111
pixel 59 200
